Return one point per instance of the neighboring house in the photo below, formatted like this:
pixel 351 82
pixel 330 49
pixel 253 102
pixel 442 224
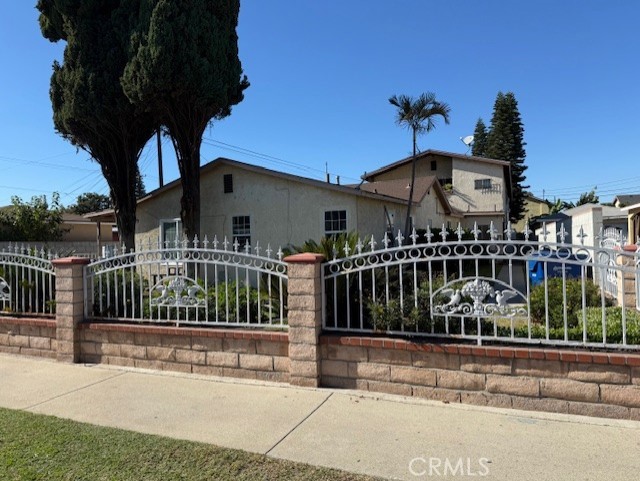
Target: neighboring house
pixel 477 188
pixel 592 218
pixel 534 207
pixel 81 236
pixel 632 213
pixel 252 204
pixel 626 200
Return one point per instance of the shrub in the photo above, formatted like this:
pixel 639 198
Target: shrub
pixel 613 323
pixel 556 301
pixel 232 298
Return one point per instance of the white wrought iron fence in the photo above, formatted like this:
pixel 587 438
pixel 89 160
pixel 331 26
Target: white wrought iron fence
pixel 201 283
pixel 27 281
pixel 460 286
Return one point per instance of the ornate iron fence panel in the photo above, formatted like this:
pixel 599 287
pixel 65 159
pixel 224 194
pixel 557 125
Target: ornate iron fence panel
pixel 510 289
pixel 196 283
pixel 27 281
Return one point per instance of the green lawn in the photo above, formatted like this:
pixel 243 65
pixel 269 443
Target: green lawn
pixel 35 447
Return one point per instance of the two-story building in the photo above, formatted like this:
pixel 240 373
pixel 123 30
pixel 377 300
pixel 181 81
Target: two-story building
pixel 476 188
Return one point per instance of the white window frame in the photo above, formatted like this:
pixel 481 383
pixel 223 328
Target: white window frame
pixel 241 235
pixel 178 224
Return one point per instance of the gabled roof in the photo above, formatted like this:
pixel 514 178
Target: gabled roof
pixel 428 153
pixel 627 199
pixel 400 188
pixel 345 189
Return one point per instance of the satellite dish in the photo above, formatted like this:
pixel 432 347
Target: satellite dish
pixel 468 140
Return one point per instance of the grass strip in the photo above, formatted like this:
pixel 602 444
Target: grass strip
pixel 36 447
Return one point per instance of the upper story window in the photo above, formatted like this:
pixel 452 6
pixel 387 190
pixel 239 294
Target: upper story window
pixel 434 165
pixel 483 184
pixel 228 183
pixel 335 221
pixel 242 230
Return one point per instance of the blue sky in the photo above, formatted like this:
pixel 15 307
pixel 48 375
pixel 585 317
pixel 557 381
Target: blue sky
pixel 321 74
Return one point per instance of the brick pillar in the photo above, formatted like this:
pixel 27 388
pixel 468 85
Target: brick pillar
pixel 305 318
pixel 627 278
pixel 69 306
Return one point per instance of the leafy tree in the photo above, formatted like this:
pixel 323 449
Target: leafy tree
pixel 588 198
pixel 479 146
pixel 559 205
pixel 90 202
pixel 419 116
pixel 186 72
pixel 505 141
pixel 90 109
pixel 35 221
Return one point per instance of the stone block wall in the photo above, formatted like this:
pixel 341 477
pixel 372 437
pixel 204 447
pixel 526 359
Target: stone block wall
pixel 30 337
pixel 217 352
pixel 561 381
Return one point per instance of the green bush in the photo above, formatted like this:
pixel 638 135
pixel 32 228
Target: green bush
pixel 556 301
pixel 232 298
pixel 613 323
pixel 116 300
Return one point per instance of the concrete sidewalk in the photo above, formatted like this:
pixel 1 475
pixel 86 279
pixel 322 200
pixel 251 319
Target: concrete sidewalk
pixel 381 435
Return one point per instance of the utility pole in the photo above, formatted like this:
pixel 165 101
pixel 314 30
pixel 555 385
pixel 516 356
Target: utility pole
pixel 158 136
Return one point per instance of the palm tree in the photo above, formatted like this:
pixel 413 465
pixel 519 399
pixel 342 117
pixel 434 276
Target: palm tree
pixel 418 115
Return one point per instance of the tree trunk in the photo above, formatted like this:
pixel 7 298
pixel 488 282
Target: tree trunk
pixel 407 223
pixel 187 145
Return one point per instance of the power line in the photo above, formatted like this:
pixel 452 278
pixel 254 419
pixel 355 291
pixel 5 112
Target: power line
pixel 271 159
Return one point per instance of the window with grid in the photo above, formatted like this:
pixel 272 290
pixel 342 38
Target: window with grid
pixel 483 184
pixel 242 230
pixel 335 221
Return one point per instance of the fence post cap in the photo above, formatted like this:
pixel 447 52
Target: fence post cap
pixel 304 258
pixel 67 261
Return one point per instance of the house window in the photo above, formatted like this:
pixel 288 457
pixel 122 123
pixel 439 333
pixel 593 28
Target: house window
pixel 446 183
pixel 170 232
pixel 434 165
pixel 483 184
pixel 242 230
pixel 335 221
pixel 228 183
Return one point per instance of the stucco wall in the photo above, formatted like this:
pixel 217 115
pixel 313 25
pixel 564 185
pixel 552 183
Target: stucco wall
pixel 466 198
pixel 282 211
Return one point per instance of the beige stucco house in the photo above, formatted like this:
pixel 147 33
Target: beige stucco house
pixel 476 188
pixel 534 207
pixel 253 204
pixel 632 213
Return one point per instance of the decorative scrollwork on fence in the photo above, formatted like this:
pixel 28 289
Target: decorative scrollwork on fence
pixel 177 291
pixel 467 298
pixel 5 291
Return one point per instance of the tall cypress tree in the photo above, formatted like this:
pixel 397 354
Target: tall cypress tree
pixel 505 141
pixel 90 109
pixel 479 147
pixel 186 73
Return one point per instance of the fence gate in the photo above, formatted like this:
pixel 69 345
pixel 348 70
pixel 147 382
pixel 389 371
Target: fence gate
pixel 460 286
pixel 200 283
pixel 27 281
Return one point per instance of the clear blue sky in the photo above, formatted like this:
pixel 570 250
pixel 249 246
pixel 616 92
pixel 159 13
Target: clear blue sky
pixel 321 74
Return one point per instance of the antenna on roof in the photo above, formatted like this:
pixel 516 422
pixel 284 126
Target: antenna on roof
pixel 468 141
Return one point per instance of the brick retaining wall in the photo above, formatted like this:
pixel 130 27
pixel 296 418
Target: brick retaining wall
pixel 217 352
pixel 31 337
pixel 573 382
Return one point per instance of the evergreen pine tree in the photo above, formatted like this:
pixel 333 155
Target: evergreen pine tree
pixel 505 141
pixel 479 147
